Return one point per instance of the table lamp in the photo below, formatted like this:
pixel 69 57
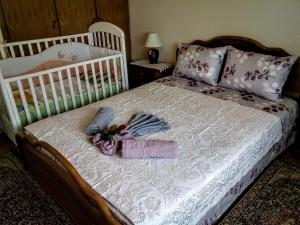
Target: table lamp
pixel 153 42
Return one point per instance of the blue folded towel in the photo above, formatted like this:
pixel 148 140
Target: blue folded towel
pixel 101 121
pixel 143 124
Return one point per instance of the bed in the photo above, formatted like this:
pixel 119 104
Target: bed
pixel 225 141
pixel 45 77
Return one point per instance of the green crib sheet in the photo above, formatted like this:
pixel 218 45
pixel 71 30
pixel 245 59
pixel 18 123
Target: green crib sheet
pixel 52 107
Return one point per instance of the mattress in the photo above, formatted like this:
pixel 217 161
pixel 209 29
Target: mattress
pixel 219 141
pixel 286 109
pixel 42 107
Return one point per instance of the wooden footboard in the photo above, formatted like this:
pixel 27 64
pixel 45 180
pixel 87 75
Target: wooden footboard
pixel 62 182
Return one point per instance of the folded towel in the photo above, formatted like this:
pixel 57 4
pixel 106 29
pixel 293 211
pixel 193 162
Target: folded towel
pixel 143 124
pixel 124 134
pixel 107 146
pixel 138 149
pixel 97 139
pixel 101 121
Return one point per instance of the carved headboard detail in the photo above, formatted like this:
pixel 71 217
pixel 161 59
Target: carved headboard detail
pixel 292 86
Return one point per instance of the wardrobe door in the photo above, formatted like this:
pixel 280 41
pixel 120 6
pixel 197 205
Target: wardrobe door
pixel 30 19
pixel 3 25
pixel 116 12
pixel 75 16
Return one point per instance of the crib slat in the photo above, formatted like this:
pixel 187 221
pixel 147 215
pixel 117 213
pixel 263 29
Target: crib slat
pixel 12 51
pixel 46 102
pixel 39 47
pixel 21 50
pixel 95 81
pixel 87 82
pixel 118 43
pixel 102 79
pixel 3 54
pixel 109 77
pixel 46 44
pixel 63 93
pixel 71 88
pixel 113 41
pixel 98 39
pixel 103 39
pixel 54 93
pixel 108 44
pixel 24 101
pixel 116 75
pixel 95 39
pixel 61 41
pixel 79 85
pixel 13 103
pixel 35 101
pixel 123 75
pixel 30 49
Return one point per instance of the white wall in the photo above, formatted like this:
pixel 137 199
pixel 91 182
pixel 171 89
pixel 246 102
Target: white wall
pixel 274 23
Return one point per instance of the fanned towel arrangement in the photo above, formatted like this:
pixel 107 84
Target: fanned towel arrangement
pixel 143 124
pixel 110 139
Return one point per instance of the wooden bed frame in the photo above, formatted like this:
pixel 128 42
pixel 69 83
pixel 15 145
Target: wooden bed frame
pixel 60 179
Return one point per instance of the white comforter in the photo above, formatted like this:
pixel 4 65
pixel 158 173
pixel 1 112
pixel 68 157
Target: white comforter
pixel 219 142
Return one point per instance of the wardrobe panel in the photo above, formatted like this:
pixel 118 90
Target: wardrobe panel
pixel 3 25
pixel 30 19
pixel 75 16
pixel 116 12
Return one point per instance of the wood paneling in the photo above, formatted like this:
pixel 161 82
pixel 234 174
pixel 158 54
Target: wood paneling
pixel 75 16
pixel 33 19
pixel 116 12
pixel 3 26
pixel 30 19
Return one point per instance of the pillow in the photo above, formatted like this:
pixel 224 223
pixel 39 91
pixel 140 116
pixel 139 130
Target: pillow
pixel 199 63
pixel 263 75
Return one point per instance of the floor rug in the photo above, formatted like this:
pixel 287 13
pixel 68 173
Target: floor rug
pixel 274 199
pixel 22 201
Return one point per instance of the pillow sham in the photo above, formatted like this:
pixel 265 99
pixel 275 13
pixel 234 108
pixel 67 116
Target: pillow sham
pixel 263 75
pixel 199 63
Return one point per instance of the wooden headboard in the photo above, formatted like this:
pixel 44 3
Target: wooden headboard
pixel 292 86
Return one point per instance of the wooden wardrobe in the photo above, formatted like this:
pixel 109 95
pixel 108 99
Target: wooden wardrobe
pixel 33 19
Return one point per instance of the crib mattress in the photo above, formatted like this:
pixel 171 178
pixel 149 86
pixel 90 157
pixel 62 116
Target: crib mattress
pixel 52 107
pixel 219 143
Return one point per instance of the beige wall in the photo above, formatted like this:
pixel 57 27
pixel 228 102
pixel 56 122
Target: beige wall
pixel 274 23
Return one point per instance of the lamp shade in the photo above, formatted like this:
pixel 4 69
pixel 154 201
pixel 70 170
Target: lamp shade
pixel 153 41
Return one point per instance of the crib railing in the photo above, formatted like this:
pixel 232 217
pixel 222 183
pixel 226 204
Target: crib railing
pixel 27 48
pixel 100 77
pixel 106 40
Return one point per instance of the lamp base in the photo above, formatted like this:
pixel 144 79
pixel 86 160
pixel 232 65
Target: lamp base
pixel 153 55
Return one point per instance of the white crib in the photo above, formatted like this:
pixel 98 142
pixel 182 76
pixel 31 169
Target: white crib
pixel 93 67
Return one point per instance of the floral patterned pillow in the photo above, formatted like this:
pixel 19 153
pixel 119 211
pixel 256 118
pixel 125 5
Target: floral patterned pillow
pixel 263 75
pixel 199 63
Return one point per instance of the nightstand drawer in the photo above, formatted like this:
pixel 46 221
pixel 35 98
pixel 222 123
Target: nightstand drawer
pixel 138 71
pixel 139 75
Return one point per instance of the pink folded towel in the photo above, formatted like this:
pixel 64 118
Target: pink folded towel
pixel 138 149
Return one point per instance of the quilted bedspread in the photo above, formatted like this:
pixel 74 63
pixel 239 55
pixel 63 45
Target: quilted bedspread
pixel 219 142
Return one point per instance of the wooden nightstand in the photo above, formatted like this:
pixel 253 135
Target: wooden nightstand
pixel 142 72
